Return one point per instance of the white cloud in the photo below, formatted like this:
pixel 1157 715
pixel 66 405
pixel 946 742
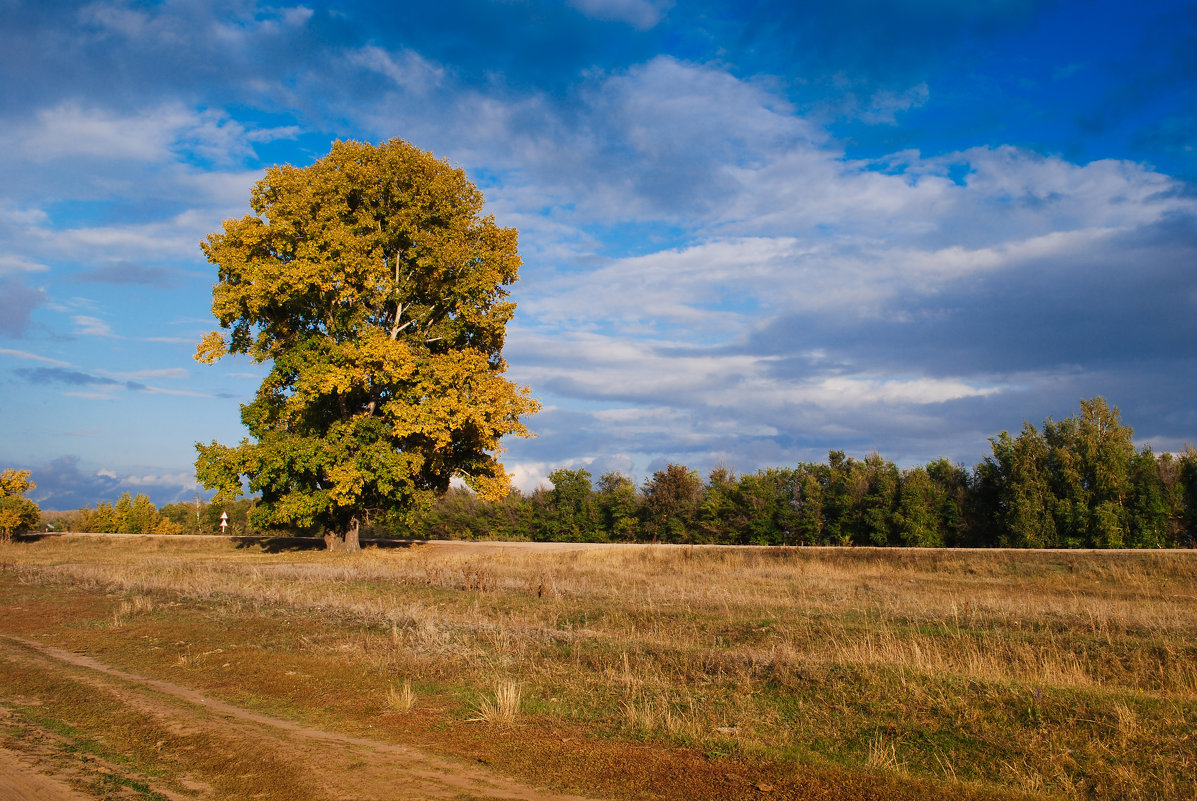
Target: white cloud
pixel 884 106
pixel 183 393
pixel 176 237
pixel 21 216
pixel 838 392
pixel 180 479
pixel 273 134
pixel 166 372
pixel 297 16
pixel 527 476
pixel 118 147
pixel 11 263
pixel 71 130
pixel 406 68
pixel 740 212
pixel 666 382
pixel 640 14
pixel 92 327
pixel 22 354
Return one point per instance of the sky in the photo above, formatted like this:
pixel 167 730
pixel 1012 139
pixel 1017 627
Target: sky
pixel 752 232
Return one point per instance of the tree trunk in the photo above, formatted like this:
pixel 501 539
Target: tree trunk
pixel 347 542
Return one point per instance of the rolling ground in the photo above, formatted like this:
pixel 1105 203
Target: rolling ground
pixel 207 669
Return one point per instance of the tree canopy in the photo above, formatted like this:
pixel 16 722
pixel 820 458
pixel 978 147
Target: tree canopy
pixel 16 513
pixel 1076 482
pixel 376 290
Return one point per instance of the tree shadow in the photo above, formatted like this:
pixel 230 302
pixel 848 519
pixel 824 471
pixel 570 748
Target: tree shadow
pixel 279 544
pixel 288 544
pixel 34 536
pixel 389 544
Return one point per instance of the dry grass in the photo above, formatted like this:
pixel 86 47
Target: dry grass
pixel 401 699
pixel 503 708
pixel 1067 674
pixel 883 755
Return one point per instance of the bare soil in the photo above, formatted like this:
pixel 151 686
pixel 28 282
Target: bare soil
pixel 334 765
pixel 21 781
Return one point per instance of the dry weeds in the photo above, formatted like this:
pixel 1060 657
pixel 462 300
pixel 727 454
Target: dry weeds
pixel 503 708
pixel 401 699
pixel 1068 674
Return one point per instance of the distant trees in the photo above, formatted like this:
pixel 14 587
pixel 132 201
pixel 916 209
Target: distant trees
pixel 129 515
pixel 138 515
pixel 919 518
pixel 672 498
pixel 1186 489
pixel 618 506
pixel 1077 482
pixel 568 511
pixel 1016 485
pixel 17 513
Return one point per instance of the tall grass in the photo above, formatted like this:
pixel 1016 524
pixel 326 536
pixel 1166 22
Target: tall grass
pixel 1072 674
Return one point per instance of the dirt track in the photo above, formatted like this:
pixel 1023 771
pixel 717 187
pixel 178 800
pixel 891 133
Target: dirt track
pixel 21 781
pixel 342 767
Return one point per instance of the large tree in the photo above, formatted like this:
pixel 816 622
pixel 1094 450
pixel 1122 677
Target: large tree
pixel 375 290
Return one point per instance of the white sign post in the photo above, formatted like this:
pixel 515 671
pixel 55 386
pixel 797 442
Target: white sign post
pixel 224 521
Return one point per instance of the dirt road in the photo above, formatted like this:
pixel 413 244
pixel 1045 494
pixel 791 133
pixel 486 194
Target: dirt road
pixel 327 765
pixel 21 781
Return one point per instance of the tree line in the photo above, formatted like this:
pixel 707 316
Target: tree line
pixel 1075 483
pixel 138 515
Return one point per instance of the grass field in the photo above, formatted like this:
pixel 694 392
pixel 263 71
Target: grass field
pixel 680 672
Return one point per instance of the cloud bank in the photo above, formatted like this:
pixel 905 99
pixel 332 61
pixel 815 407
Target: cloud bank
pixel 751 233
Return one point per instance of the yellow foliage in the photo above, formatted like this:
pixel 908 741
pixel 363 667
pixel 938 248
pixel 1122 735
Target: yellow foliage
pixel 376 290
pixel 15 482
pixel 9 520
pixel 210 348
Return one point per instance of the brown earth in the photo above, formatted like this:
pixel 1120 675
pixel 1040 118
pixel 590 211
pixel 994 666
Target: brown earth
pixel 343 767
pixel 77 723
pixel 21 781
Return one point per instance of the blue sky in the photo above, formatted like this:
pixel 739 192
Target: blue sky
pixel 752 232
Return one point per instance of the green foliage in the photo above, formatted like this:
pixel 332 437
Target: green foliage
pixel 141 516
pixel 843 495
pixel 619 506
pixel 768 500
pixel 1078 482
pixel 1022 488
pixel 1187 490
pixel 1089 463
pixel 184 515
pixel 881 478
pixel 809 492
pixel 672 498
pixel 101 520
pixel 568 512
pixel 919 519
pixel 1150 506
pixel 376 290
